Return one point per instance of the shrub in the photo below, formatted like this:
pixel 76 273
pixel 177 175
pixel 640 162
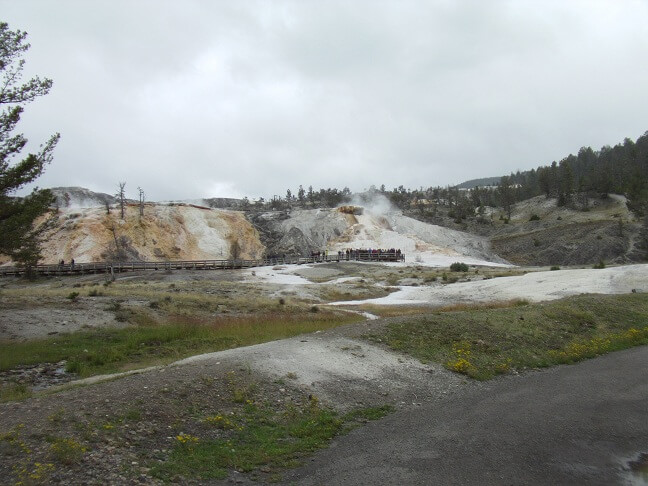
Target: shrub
pixel 534 217
pixel 599 265
pixel 73 295
pixel 536 242
pixel 459 267
pixel 67 451
pixel 555 267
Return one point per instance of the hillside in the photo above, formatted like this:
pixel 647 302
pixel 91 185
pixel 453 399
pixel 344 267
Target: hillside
pixel 375 225
pixel 484 181
pixel 165 232
pixel 182 231
pixel 539 232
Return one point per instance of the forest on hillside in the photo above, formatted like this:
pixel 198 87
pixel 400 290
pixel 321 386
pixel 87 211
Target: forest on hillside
pixel 574 180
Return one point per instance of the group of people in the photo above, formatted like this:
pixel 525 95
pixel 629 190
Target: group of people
pixel 392 254
pixel 372 251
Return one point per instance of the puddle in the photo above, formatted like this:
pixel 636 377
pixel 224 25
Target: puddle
pixel 38 377
pixel 638 470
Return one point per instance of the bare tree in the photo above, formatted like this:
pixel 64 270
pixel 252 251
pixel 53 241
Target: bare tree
pixel 121 197
pixel 141 201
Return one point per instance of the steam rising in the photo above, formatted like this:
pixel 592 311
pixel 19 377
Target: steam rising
pixel 374 203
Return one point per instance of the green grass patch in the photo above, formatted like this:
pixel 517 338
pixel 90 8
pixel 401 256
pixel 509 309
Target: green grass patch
pixel 10 392
pixel 97 351
pixel 257 436
pixel 484 342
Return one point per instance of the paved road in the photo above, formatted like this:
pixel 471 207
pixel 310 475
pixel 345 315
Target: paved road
pixel 576 424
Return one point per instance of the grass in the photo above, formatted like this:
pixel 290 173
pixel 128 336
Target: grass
pixel 483 342
pixel 391 310
pixel 92 352
pixel 257 435
pixel 195 430
pixel 415 310
pixel 10 392
pixel 356 292
pixel 185 297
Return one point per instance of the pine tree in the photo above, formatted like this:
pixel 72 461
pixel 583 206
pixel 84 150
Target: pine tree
pixel 19 236
pixel 506 195
pixel 300 195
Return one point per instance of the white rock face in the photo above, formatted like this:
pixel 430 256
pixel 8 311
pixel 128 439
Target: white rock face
pixel 339 229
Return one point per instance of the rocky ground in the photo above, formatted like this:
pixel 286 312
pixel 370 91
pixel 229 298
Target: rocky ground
pixel 125 427
pixel 119 429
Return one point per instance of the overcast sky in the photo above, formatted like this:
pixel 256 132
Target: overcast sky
pixel 193 98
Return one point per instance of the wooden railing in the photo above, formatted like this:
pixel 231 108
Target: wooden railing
pixel 118 267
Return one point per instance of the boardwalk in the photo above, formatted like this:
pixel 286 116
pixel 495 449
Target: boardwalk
pixel 118 267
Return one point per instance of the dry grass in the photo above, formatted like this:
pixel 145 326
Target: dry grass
pixel 393 310
pixel 413 310
pixel 339 293
pixel 499 304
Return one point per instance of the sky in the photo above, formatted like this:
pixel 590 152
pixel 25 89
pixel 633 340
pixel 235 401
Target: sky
pixel 196 98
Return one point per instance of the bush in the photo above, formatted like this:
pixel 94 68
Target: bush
pixel 599 265
pixel 67 451
pixel 555 267
pixel 73 295
pixel 534 217
pixel 459 267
